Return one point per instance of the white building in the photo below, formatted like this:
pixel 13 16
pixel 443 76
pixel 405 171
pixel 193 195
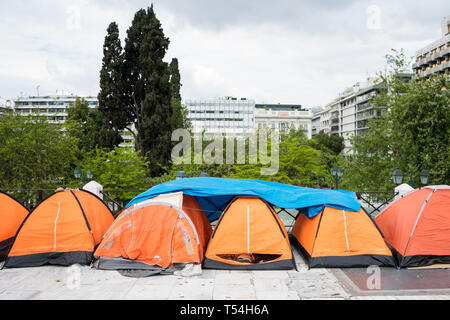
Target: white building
pixel 321 120
pixel 283 117
pixel 53 107
pixel 227 115
pixel 348 114
pixel 435 57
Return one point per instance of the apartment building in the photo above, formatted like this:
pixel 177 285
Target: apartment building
pixel 283 117
pixel 349 113
pixel 320 121
pixel 227 115
pixel 240 116
pixel 435 57
pixel 54 107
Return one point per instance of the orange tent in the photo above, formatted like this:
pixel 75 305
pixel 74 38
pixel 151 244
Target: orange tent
pixel 339 238
pixel 162 232
pixel 12 214
pixel 63 229
pixel 249 235
pixel 417 226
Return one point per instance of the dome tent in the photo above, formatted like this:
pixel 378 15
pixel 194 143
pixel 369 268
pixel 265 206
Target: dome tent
pixel 340 238
pixel 160 235
pixel 12 213
pixel 417 226
pixel 249 236
pixel 63 229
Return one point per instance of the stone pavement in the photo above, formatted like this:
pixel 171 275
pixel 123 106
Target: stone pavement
pixel 85 283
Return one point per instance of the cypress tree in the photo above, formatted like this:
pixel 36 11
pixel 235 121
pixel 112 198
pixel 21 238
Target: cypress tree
pixel 179 116
pixel 147 88
pixel 111 98
pixel 175 79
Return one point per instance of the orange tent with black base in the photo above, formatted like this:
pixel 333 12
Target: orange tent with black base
pixel 340 238
pixel 249 235
pixel 12 214
pixel 417 226
pixel 63 229
pixel 167 231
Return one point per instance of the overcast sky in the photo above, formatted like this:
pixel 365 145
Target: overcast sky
pixel 285 51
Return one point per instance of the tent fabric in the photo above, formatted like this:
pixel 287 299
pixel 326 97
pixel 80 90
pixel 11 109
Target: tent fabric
pixel 249 229
pixel 12 213
pixel 155 235
pixel 213 194
pixel 417 226
pixel 63 229
pixel 339 238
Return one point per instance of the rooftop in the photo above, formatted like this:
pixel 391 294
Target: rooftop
pixel 280 107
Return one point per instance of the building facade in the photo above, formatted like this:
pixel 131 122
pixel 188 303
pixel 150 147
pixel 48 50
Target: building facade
pixel 435 57
pixel 283 117
pixel 240 116
pixel 227 115
pixel 53 107
pixel 349 113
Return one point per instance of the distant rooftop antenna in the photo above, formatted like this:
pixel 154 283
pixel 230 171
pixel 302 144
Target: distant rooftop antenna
pixel 37 89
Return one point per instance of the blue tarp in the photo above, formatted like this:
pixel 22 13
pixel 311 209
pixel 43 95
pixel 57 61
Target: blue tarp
pixel 213 194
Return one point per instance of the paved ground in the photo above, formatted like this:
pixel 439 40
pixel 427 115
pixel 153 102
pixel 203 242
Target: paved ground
pixel 51 282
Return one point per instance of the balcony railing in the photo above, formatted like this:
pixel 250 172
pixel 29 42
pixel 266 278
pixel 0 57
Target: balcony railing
pixel 365 116
pixel 365 106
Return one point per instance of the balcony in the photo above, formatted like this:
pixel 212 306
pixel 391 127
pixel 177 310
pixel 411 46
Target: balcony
pixel 441 53
pixel 442 66
pixel 334 129
pixel 438 68
pixel 364 106
pixel 334 116
pixel 334 108
pixel 365 115
pixel 362 125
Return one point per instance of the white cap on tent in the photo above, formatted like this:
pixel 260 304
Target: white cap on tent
pixel 94 187
pixel 402 189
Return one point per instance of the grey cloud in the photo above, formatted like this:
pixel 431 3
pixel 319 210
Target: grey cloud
pixel 332 46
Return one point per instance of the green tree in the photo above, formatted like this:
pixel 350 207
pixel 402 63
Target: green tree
pixel 118 169
pixel 299 163
pixel 147 88
pixel 179 117
pixel 175 79
pixel 372 166
pixel 115 117
pixel 421 128
pixel 35 154
pixel 84 123
pixel 329 143
pixel 411 133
